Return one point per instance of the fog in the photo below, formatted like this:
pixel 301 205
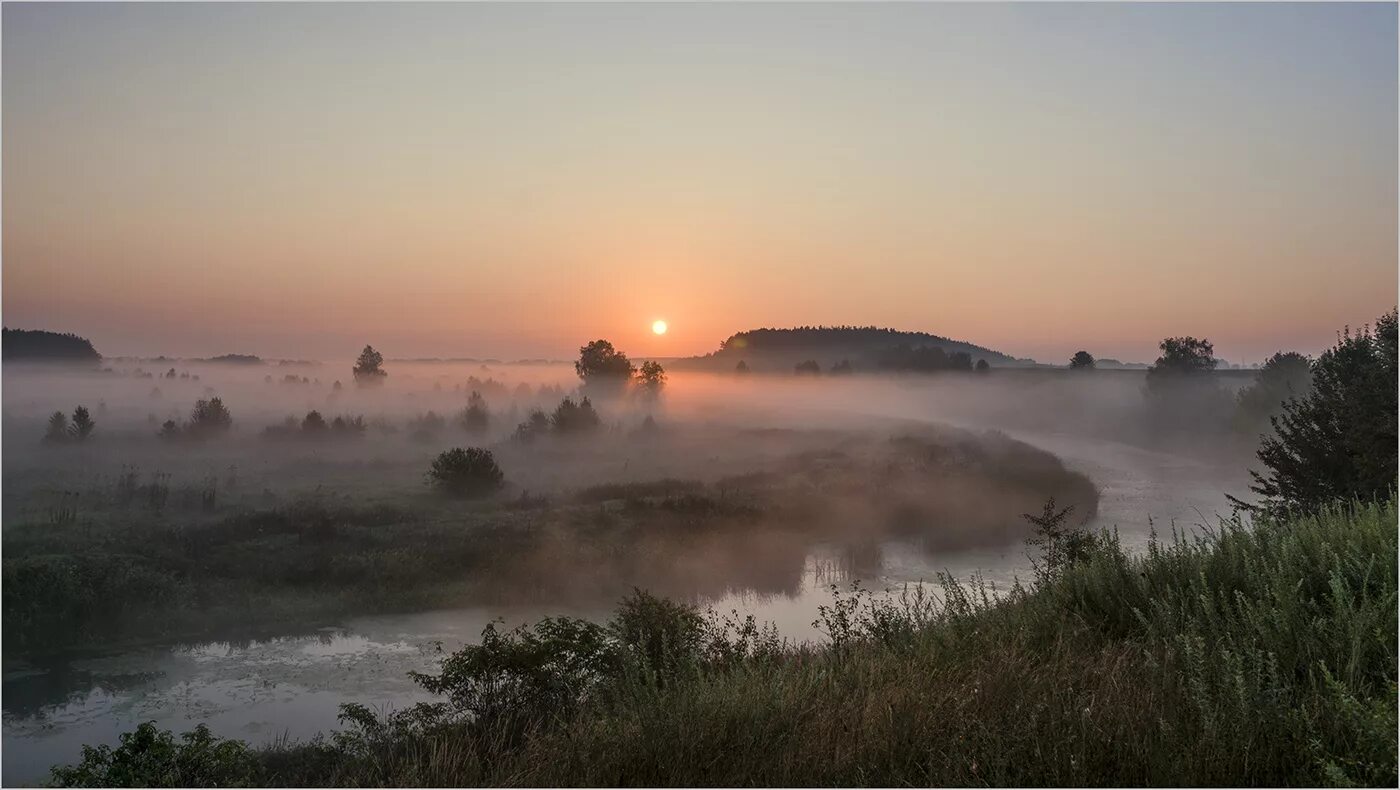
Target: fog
pixel 208 565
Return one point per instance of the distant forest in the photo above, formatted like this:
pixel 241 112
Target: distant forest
pixel 849 348
pixel 36 344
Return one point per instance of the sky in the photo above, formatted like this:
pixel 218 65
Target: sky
pixel 513 180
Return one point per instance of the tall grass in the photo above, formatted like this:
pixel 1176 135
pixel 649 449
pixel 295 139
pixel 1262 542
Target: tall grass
pixel 1259 654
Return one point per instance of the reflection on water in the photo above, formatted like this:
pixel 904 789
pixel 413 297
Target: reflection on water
pixel 292 686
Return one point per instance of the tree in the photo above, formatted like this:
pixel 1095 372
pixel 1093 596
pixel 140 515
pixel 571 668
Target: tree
pixel 651 379
pixel 369 368
pixel 314 424
pixel 1082 360
pixel 842 368
pixel 603 368
pixel 1338 441
pixel 169 431
pixel 982 366
pixel 570 417
pixel 209 418
pixel 82 426
pixel 476 418
pixel 1182 357
pixel 465 473
pixel 58 428
pixel 1284 375
pixel 1183 394
pixel 534 426
pixel 742 367
pixel 808 368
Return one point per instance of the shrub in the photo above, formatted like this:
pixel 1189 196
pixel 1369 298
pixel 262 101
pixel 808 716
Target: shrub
pixel 466 473
pixel 148 757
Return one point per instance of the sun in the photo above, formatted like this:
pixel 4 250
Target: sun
pixel 659 327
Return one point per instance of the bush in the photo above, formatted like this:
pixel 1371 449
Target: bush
pixel 148 757
pixel 466 473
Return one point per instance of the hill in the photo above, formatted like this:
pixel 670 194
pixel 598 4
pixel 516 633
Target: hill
pixel 863 347
pixel 40 346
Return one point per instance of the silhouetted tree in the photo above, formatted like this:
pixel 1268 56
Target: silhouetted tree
pixel 742 367
pixel 169 431
pixel 603 368
pixel 58 428
pixel 570 417
pixel 209 418
pixel 1284 375
pixel 534 426
pixel 465 473
pixel 475 418
pixel 842 368
pixel 1082 360
pixel 651 379
pixel 1182 391
pixel 808 368
pixel 1338 441
pixel 314 424
pixel 82 426
pixel 982 366
pixel 369 368
pixel 36 344
pixel 1182 357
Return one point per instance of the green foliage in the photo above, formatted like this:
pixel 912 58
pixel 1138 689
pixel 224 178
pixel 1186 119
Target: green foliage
pixel 1255 655
pixel 369 368
pixel 1082 360
pixel 1339 441
pixel 603 368
pixel 148 757
pixel 466 473
pixel 1061 546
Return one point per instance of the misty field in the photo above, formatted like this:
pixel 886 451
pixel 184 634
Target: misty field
pixel 185 512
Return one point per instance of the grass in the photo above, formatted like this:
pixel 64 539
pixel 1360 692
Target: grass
pixel 1261 654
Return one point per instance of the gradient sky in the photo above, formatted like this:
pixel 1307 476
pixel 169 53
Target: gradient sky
pixel 513 180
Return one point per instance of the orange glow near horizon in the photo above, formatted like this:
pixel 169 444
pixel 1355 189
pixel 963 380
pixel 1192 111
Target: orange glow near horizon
pixel 1035 179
